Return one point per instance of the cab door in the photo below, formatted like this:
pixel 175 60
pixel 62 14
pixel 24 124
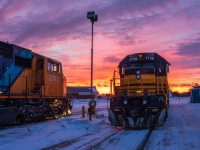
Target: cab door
pixel 39 76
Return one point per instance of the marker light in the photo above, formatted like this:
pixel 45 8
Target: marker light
pixel 125 102
pixel 144 102
pixel 138 76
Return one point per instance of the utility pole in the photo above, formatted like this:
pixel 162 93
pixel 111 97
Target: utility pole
pixel 93 18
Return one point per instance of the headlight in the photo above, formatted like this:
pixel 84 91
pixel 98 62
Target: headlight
pixel 138 76
pixel 125 102
pixel 69 112
pixel 144 102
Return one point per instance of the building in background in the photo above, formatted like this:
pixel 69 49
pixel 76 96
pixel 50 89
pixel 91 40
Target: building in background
pixel 82 92
pixel 195 95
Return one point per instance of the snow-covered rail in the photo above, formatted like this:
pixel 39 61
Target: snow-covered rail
pixel 125 139
pixel 145 139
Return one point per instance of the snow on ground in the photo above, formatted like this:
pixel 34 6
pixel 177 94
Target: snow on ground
pixel 78 103
pixel 127 140
pixel 45 134
pixel 181 130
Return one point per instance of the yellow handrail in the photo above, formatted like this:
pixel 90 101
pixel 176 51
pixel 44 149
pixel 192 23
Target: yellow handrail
pixel 157 86
pixel 128 89
pixel 162 87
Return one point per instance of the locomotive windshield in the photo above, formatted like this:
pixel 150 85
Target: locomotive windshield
pixel 140 64
pixel 141 70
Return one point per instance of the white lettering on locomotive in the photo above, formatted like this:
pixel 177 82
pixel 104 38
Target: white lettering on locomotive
pixel 53 78
pixel 150 56
pixel 132 59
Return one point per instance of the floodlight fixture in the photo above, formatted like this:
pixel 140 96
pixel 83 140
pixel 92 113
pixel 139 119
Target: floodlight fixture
pixel 92 16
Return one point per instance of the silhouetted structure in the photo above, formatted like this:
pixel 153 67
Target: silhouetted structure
pixel 82 92
pixel 195 95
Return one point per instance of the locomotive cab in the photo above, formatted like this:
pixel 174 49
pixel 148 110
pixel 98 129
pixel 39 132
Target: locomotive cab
pixel 141 97
pixel 32 86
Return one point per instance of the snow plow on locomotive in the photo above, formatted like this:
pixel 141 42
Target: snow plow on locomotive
pixel 140 93
pixel 32 86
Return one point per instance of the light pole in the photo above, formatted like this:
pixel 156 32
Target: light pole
pixel 93 18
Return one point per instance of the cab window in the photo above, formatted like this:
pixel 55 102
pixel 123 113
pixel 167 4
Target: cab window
pixel 54 67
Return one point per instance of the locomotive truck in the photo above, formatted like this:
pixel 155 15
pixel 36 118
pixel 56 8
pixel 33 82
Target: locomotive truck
pixel 32 86
pixel 140 93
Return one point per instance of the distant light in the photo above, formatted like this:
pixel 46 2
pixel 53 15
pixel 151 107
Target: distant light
pixel 69 112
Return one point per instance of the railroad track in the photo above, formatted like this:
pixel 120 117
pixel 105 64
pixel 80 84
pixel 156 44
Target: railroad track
pixel 100 142
pixel 145 139
pixel 3 127
pixel 96 142
pixel 88 145
pixel 122 131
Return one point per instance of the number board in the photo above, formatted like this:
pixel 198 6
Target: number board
pixel 142 57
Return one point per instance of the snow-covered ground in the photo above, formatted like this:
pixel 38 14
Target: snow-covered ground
pixel 77 104
pixel 181 131
pixel 73 131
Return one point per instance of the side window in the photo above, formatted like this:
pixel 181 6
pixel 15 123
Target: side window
pixel 54 67
pixel 123 70
pixel 59 67
pixel 49 67
pixel 23 62
pixel 167 68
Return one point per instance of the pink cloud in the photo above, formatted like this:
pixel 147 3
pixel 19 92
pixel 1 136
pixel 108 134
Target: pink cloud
pixel 60 29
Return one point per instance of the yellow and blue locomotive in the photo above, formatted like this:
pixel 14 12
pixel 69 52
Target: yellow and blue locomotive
pixel 140 93
pixel 32 86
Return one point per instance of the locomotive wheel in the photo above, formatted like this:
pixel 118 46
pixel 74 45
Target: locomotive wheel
pixel 112 118
pixel 20 120
pixel 166 113
pixel 56 116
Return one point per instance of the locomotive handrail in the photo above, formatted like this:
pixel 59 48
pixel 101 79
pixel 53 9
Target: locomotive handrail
pixel 142 85
pixel 163 89
pixel 128 88
pixel 157 85
pixel 17 75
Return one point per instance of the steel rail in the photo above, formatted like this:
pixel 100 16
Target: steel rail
pixel 145 139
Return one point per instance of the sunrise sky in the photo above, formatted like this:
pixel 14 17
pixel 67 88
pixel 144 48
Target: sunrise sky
pixel 60 29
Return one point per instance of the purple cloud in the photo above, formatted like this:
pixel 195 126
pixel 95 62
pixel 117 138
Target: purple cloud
pixel 186 62
pixel 37 22
pixel 112 59
pixel 40 24
pixel 189 49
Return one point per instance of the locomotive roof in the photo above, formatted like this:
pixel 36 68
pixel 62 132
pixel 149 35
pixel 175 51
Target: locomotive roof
pixel 157 56
pixel 6 43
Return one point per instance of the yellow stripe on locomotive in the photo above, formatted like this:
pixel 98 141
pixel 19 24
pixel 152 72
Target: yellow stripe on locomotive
pixel 32 86
pixel 142 88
